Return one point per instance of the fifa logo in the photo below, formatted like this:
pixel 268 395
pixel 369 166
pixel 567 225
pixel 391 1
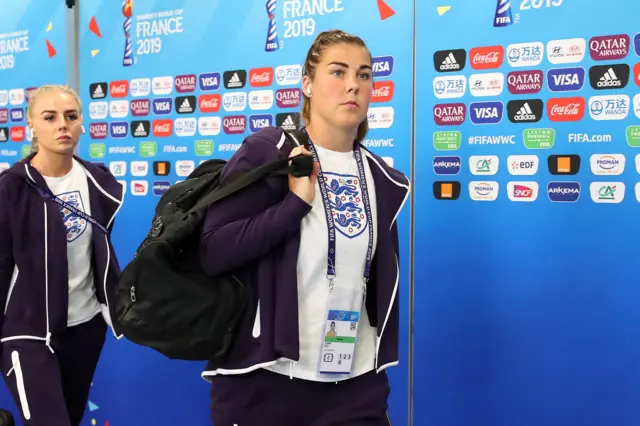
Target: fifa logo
pixel 503 17
pixel 127 11
pixel 272 34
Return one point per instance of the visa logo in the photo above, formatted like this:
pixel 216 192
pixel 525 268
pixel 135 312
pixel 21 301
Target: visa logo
pixel 162 106
pixel 209 81
pixel 565 79
pixel 119 130
pixel 382 66
pixel 259 122
pixel 486 112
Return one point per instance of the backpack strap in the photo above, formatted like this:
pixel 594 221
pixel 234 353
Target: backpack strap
pixel 297 138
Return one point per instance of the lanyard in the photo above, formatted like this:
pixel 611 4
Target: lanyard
pixel 47 194
pixel 331 257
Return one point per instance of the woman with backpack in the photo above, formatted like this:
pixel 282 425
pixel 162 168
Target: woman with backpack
pixel 320 255
pixel 58 269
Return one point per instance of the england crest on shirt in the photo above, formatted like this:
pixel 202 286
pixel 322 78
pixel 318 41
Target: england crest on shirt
pixel 75 225
pixel 347 205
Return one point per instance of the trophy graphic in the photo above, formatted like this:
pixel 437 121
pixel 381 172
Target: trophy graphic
pixel 272 34
pixel 127 11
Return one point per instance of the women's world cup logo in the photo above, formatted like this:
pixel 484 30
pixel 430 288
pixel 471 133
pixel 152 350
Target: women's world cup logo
pixel 272 34
pixel 127 11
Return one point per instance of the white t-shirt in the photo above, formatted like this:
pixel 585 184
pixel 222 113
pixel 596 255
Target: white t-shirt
pixel 339 168
pixel 74 190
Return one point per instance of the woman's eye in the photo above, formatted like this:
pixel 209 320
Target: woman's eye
pixel 73 117
pixel 49 118
pixel 338 73
pixel 365 76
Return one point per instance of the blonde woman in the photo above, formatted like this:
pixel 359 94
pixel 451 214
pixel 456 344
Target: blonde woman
pixel 58 269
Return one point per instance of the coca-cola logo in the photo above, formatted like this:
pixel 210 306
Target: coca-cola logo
pixel 162 128
pixel 119 89
pixel 209 103
pixel 566 109
pixel 98 130
pixel 261 77
pixel 382 91
pixel 234 125
pixel 140 107
pixel 288 98
pixel 185 83
pixel 17 134
pixel 488 57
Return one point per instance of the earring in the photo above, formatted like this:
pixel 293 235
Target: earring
pixel 309 91
pixel 83 131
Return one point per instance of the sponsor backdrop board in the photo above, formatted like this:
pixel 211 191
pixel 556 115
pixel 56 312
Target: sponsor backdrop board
pixel 32 37
pixel 170 84
pixel 527 140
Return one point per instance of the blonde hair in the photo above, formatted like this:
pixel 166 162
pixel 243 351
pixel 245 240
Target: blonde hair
pixel 49 88
pixel 323 40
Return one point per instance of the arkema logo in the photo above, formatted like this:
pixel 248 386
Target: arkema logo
pixel 563 192
pixel 486 112
pixel 565 79
pixel 615 76
pixel 450 60
pixel 446 165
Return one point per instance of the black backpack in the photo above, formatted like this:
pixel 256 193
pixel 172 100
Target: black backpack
pixel 164 300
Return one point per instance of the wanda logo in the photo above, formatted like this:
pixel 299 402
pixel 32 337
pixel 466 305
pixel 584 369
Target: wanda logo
pixel 261 77
pixel 382 91
pixel 484 58
pixel 162 128
pixel 566 109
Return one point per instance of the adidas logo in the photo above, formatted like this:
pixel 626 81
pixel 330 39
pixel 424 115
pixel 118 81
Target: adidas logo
pixel 141 131
pixel 449 63
pixel 235 81
pixel 525 114
pixel 98 93
pixel 289 124
pixel 98 90
pixel 609 79
pixel 186 106
pixel 3 135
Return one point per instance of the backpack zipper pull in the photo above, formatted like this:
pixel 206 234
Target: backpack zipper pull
pixel 133 293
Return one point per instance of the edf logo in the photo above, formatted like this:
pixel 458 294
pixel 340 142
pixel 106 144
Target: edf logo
pixel 259 122
pixel 382 66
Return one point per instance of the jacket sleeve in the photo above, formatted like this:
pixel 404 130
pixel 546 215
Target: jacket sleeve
pixel 7 263
pixel 246 225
